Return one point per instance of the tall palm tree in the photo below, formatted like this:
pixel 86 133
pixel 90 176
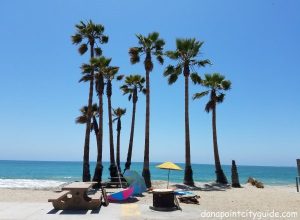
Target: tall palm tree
pixel 109 73
pixel 89 36
pixel 98 63
pixel 118 113
pixel 186 54
pixel 149 46
pixel 216 84
pixel 133 85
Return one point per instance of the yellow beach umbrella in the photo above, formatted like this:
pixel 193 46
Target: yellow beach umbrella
pixel 168 166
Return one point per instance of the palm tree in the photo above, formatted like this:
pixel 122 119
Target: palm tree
pixel 186 53
pixel 216 84
pixel 133 85
pixel 118 113
pixel 99 63
pixel 109 73
pixel 149 46
pixel 92 35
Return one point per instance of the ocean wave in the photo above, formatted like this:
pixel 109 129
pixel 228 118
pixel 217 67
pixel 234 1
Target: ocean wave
pixel 30 184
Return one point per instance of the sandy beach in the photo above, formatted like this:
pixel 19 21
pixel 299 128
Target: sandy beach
pixel 32 204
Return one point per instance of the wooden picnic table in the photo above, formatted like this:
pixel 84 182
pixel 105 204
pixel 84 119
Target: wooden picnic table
pixel 75 196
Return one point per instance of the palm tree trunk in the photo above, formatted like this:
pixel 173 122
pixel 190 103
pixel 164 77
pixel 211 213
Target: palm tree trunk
pixel 129 154
pixel 118 143
pixel 86 176
pixel 113 167
pixel 99 167
pixel 95 126
pixel 188 172
pixel 221 178
pixel 146 171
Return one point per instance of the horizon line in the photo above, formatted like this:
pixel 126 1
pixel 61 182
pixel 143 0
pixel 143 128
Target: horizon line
pixel 77 161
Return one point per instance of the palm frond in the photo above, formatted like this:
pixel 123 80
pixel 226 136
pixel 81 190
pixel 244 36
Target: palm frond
pixel 220 98
pixel 196 79
pixel 120 77
pixel 217 83
pixel 195 48
pixel 174 55
pixel 115 119
pixel 140 38
pixel 132 83
pixel 83 49
pixel 153 36
pixel 226 84
pixel 86 78
pixel 134 55
pixel 180 43
pixel 217 78
pixel 119 112
pixel 76 39
pixel 160 59
pixel 98 51
pixel 104 39
pixel 203 63
pixel 200 95
pixel 169 70
pixel 98 28
pixel 81 119
pixel 159 44
pixel 86 68
pixel 172 78
pixel 94 109
pixel 90 33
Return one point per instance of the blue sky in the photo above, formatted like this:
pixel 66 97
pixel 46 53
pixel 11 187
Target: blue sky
pixel 254 43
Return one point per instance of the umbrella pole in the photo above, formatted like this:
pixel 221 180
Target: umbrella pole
pixel 168 178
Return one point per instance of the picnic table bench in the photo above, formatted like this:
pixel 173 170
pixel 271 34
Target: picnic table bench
pixel 76 196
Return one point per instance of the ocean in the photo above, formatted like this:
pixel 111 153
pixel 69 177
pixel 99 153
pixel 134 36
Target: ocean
pixel 49 174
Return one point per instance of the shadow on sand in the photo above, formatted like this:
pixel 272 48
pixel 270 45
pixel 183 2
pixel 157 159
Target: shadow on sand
pixel 73 212
pixel 205 187
pixel 215 187
pixel 129 200
pixel 186 187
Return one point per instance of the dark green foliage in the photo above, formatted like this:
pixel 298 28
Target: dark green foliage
pixel 83 118
pixel 92 34
pixel 83 49
pixel 148 45
pixel 196 79
pixel 186 53
pixel 118 113
pixel 215 83
pixel 98 51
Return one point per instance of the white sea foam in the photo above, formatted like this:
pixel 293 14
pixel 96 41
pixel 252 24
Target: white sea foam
pixel 30 184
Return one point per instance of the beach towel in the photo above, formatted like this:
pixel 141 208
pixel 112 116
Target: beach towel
pixel 180 192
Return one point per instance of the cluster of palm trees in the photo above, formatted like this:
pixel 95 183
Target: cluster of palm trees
pixel 100 75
